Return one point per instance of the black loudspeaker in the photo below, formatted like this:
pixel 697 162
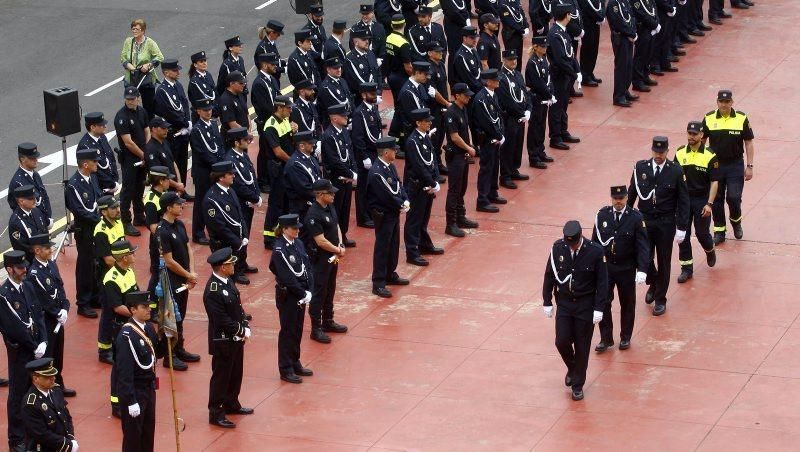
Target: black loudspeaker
pixel 304 6
pixel 62 112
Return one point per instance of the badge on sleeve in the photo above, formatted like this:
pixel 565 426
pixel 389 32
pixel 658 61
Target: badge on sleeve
pixel 211 213
pixel 292 258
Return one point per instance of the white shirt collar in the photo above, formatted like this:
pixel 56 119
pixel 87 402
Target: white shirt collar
pixel 224 280
pixel 201 73
pixel 413 82
pixel 139 324
pixel 561 26
pixel 16 286
pixel 44 263
pixel 655 165
pixel 169 82
pixel 291 242
pixel 382 161
pixel 88 178
pixel 224 188
pixel 490 91
pixel 29 173
pixel 266 74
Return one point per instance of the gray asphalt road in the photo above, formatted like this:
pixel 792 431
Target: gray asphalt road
pixel 76 43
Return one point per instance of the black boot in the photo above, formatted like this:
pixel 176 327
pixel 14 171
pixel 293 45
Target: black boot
pixel 711 257
pixel 330 326
pixel 686 274
pixel 452 228
pixel 737 230
pixel 318 335
pixel 719 237
pixel 105 356
pixel 462 221
pixel 177 364
pixel 185 356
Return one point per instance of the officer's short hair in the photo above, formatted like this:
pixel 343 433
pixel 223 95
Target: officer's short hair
pixel 216 175
pixel 560 15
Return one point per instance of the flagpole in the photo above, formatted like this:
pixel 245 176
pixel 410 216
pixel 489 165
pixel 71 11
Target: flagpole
pixel 165 313
pixel 174 400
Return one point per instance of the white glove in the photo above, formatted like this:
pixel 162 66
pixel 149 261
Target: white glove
pixel 602 21
pixel 74 446
pixel 39 352
pixel 245 241
pixel 527 115
pixel 50 223
pixel 437 188
pixel 355 177
pixel 580 77
pixel 247 333
pixel 380 99
pixel 307 298
pixel 656 30
pixel 540 31
pixel 597 316
pixel 367 163
pixel 62 316
pixel 183 131
pixel 526 32
pixel 502 140
pixel 548 311
pixel 580 36
pixel 380 61
pixel 546 102
pixel 432 132
pixel 260 201
pixel 635 37
pixel 405 207
pixel 318 150
pixel 681 2
pixel 190 127
pixel 641 277
pixel 679 236
pixel 431 91
pixel 134 410
pixel 671 13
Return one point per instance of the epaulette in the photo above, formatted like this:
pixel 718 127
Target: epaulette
pixel 31 399
pixel 213 286
pixel 711 112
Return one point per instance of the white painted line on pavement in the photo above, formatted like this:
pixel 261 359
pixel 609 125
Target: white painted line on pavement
pixel 265 4
pixel 107 85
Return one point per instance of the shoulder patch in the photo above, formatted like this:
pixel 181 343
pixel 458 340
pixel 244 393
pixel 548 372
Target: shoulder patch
pixel 31 399
pixel 213 286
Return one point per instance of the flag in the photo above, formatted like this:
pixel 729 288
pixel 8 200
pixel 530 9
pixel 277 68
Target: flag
pixel 168 313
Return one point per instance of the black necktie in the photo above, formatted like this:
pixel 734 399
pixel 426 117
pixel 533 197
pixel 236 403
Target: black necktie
pixel 616 216
pixel 658 171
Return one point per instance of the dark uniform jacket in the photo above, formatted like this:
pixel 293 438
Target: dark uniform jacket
pixel 332 91
pixel 540 12
pixel 537 78
pixel 644 11
pixel 512 95
pixel 223 216
pixel 159 154
pixel 624 242
pixel 207 147
pixel 202 86
pixel 107 174
pixel 226 317
pixel 421 168
pixel 233 107
pixel 513 18
pixel 20 178
pixel 81 197
pixel 48 424
pixel 580 286
pixel 299 175
pixel 592 10
pixel 420 37
pixel 361 68
pixel 378 33
pixel 333 48
pixel 134 364
pixel 292 267
pixel 22 225
pixel 412 96
pixel 561 54
pixel 467 68
pixel 367 129
pixel 306 116
pixel 486 120
pixel 318 38
pixel 666 196
pixel 488 6
pixel 301 65
pixel 45 281
pixel 385 192
pixel 264 46
pixel 244 184
pixel 621 19
pixel 262 95
pixel 21 319
pixel 231 65
pixel 337 154
pixel 489 50
pixel 172 104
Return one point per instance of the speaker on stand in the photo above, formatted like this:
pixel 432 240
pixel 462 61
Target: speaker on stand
pixel 304 6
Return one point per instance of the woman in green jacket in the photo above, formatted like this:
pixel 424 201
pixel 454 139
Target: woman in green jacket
pixel 140 56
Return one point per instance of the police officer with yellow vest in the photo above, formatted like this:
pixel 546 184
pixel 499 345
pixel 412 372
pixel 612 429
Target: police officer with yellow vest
pixel 159 179
pixel 731 137
pixel 397 67
pixel 276 140
pixel 701 169
pixel 107 231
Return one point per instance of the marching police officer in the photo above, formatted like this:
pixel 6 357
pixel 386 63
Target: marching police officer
pixel 207 149
pixel 228 330
pixel 48 424
pixel 701 168
pixel 233 62
pixel 223 215
pixel 277 140
pixel 515 27
pixel 488 129
pixel 593 14
pixel 134 374
pixel 117 282
pixel 300 173
pixel 367 130
pixel 157 152
pixel 82 193
pixel 45 281
pixel 378 33
pixel 731 137
pixel 304 111
pixel 26 174
pixel 515 104
pixel 25 336
pixel 397 67
pixel 466 67
pixel 95 138
pixel 333 47
pixel 425 32
pixel 488 42
pixel 456 17
pixel 575 273
pixel 132 136
pixel 339 162
pixel 201 84
pixel 458 151
pixel 664 202
pixel 620 230
pixel 173 105
pixel 647 27
pixel 361 65
pixel 623 37
pixel 333 90
pixel 107 231
pixel 244 185
pixel 26 221
pixel 233 104
pixel 386 199
pixel 323 240
pixel 564 70
pixel 293 284
pixel 416 93
pixel 419 178
pixel 301 64
pixel 537 79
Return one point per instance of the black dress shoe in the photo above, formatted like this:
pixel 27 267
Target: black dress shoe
pixel 89 313
pixel 349 243
pixel 598 80
pixel 648 297
pixel 418 261
pixel 177 364
pixel 696 33
pixel 186 356
pixel 241 279
pixel 688 40
pixel 318 335
pixel 303 371
pixel 671 69
pixel 650 82
pixel 576 94
pixel 715 21
pixel 589 82
pixel 719 237
pixel 622 103
pixel 466 223
pixel 603 346
pixel 641 88
pixel 519 176
pixel 571 138
pixel 367 224
pixel 224 423
pixel 330 326
pixel 291 378
pixel 20 447
pixel 3 382
pixel 397 281
pixel 631 96
pixel 659 309
pixel 250 269
pixel 748 3
pixel 711 258
pixel 577 394
pixel 624 345
pixel 547 159
pixel 201 241
pixel 382 292
pixel 454 230
pixel 498 200
pixel 738 233
pixel 674 58
pixel 740 6
pixel 685 275
pixel 242 411
pixel 657 72
pixel 131 230
pixel 567 380
pixel 509 184
pixel 106 357
pixel 725 15
pixel 704 27
pixel 434 250
pixel 68 392
pixel 559 145
pixel 538 165
pixel 488 208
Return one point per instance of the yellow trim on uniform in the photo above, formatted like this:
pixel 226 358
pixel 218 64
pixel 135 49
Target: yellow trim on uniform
pixel 114 399
pixel 103 346
pixel 125 282
pixel 737 220
pixel 396 40
pixel 687 263
pixel 720 229
pixel 114 232
pixel 281 127
pixel 269 233
pixel 686 157
pixel 731 122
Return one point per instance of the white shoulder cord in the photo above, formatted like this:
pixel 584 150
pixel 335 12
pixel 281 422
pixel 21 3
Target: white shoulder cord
pixel 650 12
pixel 468 68
pixel 302 70
pixel 211 96
pixel 371 137
pixel 310 173
pixel 427 162
pixel 338 101
pixel 517 99
pixel 395 5
pixel 566 279
pixel 621 12
pixel 244 179
pixel 208 146
pixel 457 6
pixel 514 15
pixel 136 356
pixel 591 5
pixel 302 266
pixel 393 191
pixel 25 226
pixel 567 46
pixel 492 119
pixel 78 195
pixel 597 229
pixel 544 5
pixel 346 156
pixel 305 123
pixel 353 65
pixel 178 107
pixel 638 190
pixel 27 324
pixel 55 292
pixel 228 217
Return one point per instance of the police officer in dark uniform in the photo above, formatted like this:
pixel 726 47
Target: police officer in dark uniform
pixel 245 187
pixel 95 138
pixel 423 33
pixel 420 179
pixel 333 47
pixel 26 221
pixel 300 173
pixel 317 34
pixel 564 70
pixel 233 104
pixel 386 199
pixel 361 65
pixel 304 111
pixel 664 202
pixel 133 134
pixel 207 149
pixel 48 424
pixel 593 14
pixel 437 79
pixel 620 230
pixel 266 87
pixel 25 336
pixel 537 79
pixel 458 151
pixel 293 284
pixel 333 90
pixel 661 58
pixel 157 151
pixel 228 330
pixel 466 67
pixel 399 55
pixel 223 215
pixel 487 6
pixel 45 281
pixel 701 168
pixel 488 42
pixel 277 140
pixel 323 240
pixel 159 179
pixel 302 64
pixel 416 93
pixel 385 10
pixel 367 130
pixel 456 17
pixel 269 37
pixel 575 30
pixel 540 12
pixel 339 162
pixel 26 174
pixel 647 27
pixel 201 84
pixel 378 42
pixel 134 373
pixel 173 105
pixel 489 131
pixel 82 193
pixel 515 27
pixel 575 273
pixel 515 104
pixel 731 137
pixel 622 22
pixel 232 61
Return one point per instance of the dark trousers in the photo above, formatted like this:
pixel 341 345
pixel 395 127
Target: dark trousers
pixel 510 157
pixel 342 201
pixel 321 307
pixel 625 281
pixel 660 234
pixel 457 180
pixel 148 93
pixel 105 327
pixel 262 159
pixel 19 381
pixel 182 302
pixel 396 82
pixel 512 40
pixel 702 229
pixel 698 12
pixel 138 433
pixel 362 211
pixel 132 192
pixel 715 8
pixel 55 346
pixel 623 65
pixel 573 340
pixel 558 120
pixel 291 318
pixel 180 152
pixel 488 173
pixel 536 132
pixel 731 185
pixel 452 32
pixel 201 185
pixel 589 46
pixel 86 290
pixel 276 200
pixel 227 367
pixel 387 247
pixel 241 254
pixel 438 138
pixel 642 54
pixel 415 232
pixel 682 16
pixel 662 42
